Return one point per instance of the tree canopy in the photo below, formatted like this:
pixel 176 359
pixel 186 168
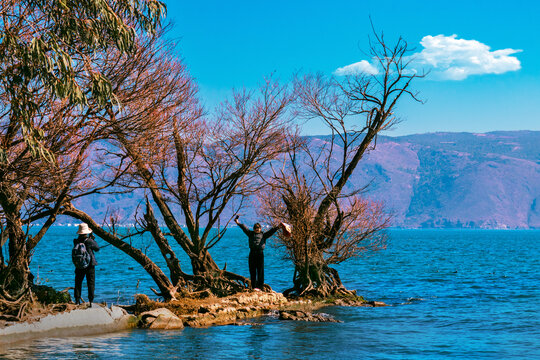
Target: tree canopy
pixel 44 42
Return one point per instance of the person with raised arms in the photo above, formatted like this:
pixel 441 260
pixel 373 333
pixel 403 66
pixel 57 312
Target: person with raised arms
pixel 257 242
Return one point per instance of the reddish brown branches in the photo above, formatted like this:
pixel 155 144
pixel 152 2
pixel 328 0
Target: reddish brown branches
pixel 331 222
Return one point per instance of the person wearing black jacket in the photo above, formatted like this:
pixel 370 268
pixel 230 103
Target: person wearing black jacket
pixel 257 242
pixel 86 237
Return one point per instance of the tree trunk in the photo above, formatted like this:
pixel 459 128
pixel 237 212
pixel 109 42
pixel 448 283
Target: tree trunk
pixel 203 264
pixel 2 261
pixel 317 279
pixel 15 278
pixel 177 276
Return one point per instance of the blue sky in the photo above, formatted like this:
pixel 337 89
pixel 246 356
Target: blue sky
pixel 485 78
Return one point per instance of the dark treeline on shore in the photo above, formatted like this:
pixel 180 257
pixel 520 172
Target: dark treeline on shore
pixel 113 94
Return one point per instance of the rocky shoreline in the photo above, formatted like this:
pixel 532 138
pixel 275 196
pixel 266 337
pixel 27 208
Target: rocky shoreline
pixel 236 309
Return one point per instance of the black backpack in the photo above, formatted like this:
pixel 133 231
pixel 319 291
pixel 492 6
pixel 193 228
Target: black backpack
pixel 80 256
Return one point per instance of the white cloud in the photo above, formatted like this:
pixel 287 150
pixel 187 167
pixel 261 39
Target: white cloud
pixel 357 68
pixel 450 58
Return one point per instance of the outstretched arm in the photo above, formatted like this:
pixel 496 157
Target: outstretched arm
pixel 242 226
pixel 270 232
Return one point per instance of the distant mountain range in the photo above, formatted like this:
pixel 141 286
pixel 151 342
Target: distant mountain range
pixel 436 180
pixel 455 180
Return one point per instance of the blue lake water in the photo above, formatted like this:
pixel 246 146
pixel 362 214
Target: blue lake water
pixel 470 294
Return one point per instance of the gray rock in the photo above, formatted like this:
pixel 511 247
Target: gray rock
pixel 160 319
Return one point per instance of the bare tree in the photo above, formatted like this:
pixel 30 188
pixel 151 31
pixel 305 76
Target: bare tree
pixel 331 222
pixel 152 87
pixel 203 166
pixel 196 170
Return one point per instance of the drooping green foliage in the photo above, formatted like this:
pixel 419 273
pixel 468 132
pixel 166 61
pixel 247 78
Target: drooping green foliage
pixel 50 48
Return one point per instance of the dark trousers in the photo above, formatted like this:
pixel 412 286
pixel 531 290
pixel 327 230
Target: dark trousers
pixel 90 273
pixel 256 268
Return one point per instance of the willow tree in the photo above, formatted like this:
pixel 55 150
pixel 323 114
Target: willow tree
pixel 331 221
pixel 34 187
pixel 41 41
pixel 50 86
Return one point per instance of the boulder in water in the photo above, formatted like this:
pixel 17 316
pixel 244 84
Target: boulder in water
pixel 161 318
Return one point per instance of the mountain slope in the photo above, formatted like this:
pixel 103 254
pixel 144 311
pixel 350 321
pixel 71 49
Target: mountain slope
pixel 458 179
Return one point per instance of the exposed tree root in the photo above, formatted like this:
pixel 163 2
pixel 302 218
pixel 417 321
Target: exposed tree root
pixel 13 311
pixel 220 283
pixel 6 297
pixel 318 282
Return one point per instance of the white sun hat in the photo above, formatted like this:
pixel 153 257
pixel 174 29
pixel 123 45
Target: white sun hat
pixel 84 229
pixel 287 229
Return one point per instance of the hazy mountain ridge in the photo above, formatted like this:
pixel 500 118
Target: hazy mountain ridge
pixel 489 180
